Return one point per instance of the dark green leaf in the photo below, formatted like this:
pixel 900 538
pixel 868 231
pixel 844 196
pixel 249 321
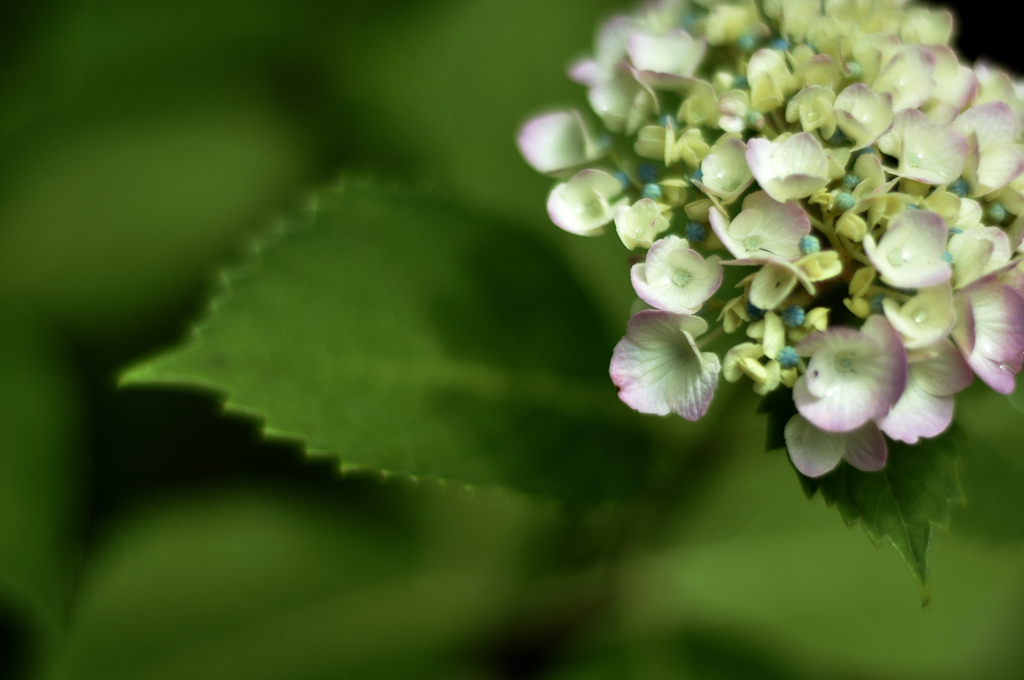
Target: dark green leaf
pixel 39 470
pixel 900 504
pixel 396 333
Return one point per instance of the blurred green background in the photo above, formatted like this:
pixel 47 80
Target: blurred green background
pixel 143 535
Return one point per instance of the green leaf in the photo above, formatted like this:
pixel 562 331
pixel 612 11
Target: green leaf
pixel 39 493
pixel 900 504
pixel 903 502
pixel 253 584
pixel 398 334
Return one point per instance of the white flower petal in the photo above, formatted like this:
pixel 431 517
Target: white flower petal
pixel 665 59
pixel 583 204
pixel 764 228
pixel 725 172
pixel 909 254
pixel 908 77
pixel 659 369
pixel 556 141
pixel 977 253
pixel 852 376
pixel 863 114
pixel 792 169
pixel 990 331
pixel 925 318
pixel 815 452
pixel 676 278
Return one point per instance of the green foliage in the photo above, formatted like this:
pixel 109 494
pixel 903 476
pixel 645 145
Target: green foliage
pixel 901 504
pixel 396 333
pixel 40 482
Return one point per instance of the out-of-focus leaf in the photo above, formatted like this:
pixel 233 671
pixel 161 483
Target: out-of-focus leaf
pixel 751 557
pixel 258 585
pixel 396 333
pixel 901 504
pixel 99 225
pixel 904 502
pixel 492 65
pixel 39 493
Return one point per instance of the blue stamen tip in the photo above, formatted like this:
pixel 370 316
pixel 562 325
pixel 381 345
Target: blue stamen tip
pixel 793 316
pixel 647 173
pixel 996 212
pixel 740 83
pixel 953 231
pixel 755 313
pixel 697 175
pixel 809 244
pixel 623 179
pixel 947 257
pixel 652 191
pixel 959 187
pixel 787 357
pixel 746 43
pixel 839 138
pixel 850 182
pixel 696 232
pixel 875 304
pixel 780 44
pixel 844 201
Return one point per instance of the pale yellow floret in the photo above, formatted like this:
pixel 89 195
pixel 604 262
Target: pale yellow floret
pixel 733 362
pixel 859 306
pixel 884 206
pixel 821 70
pixel 852 226
pixel 772 378
pixel 837 158
pixel 701 105
pixel 650 142
pixel 788 376
pixel 944 203
pixel 691 148
pixel 734 314
pixel 673 192
pixel 812 107
pixel 820 266
pixel 862 280
pixel 698 211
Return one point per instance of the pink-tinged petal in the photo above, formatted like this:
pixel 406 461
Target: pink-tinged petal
pixel 925 318
pixel 917 414
pixel 556 141
pixel 659 369
pixel 583 204
pixel 863 114
pixel 815 452
pixel 908 77
pixel 622 102
pixel 1015 280
pixel 676 278
pixel 792 169
pixel 926 407
pixel 940 370
pixel 994 158
pixel 990 331
pixel 866 449
pixel 927 152
pixel 764 229
pixel 852 376
pixel 909 254
pixel 588 72
pixel 665 59
pixel 977 253
pixel 957 83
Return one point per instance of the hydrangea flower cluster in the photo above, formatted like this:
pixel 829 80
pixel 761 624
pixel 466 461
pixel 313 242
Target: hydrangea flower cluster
pixel 868 185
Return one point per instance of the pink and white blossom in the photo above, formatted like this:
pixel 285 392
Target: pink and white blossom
pixel 815 451
pixel 765 228
pixel 676 278
pixel 659 368
pixel 994 158
pixel 924 319
pixel 556 141
pixel 928 152
pixel 667 60
pixel 925 408
pixel 584 204
pixel 910 253
pixel 788 170
pixel 853 376
pixel 989 331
